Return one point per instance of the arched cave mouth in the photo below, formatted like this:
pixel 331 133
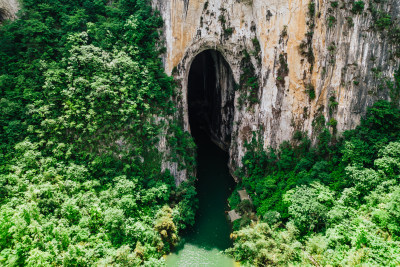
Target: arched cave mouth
pixel 211 93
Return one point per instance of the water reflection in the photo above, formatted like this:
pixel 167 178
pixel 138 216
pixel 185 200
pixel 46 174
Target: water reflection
pixel 203 244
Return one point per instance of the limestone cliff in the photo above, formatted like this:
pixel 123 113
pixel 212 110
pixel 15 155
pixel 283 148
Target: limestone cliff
pixel 8 9
pixel 317 62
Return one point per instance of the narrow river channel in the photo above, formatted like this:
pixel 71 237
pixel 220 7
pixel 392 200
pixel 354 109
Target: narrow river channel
pixel 203 243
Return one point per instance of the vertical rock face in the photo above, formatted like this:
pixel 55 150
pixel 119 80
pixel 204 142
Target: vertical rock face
pixel 298 65
pixel 8 9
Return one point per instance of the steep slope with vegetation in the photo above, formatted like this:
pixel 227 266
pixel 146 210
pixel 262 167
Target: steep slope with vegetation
pixel 83 103
pixel 333 204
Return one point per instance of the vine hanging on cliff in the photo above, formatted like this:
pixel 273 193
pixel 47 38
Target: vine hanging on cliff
pixel 283 69
pixel 306 49
pixel 248 81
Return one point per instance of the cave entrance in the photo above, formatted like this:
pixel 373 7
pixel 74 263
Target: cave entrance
pixel 211 108
pixel 211 97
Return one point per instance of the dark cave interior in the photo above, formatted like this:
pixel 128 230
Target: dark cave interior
pixel 211 97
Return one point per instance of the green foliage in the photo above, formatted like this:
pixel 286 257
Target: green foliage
pixel 222 19
pixel 245 206
pixel 383 21
pixel 228 31
pixel 257 49
pixel 341 196
pixel 332 105
pixel 331 21
pixel 71 213
pixel 234 198
pixel 358 7
pixel 350 21
pixel 262 245
pixel 165 226
pixel 308 206
pixel 84 101
pixel 284 32
pixel 332 48
pixel 319 123
pixel 387 26
pixel 248 81
pixel 283 69
pixel 394 88
pixel 183 145
pixel 311 9
pixel 333 123
pixel 306 48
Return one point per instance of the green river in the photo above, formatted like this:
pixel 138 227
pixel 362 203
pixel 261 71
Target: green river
pixel 203 243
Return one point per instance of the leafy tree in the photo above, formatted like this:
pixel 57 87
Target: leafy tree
pixel 341 196
pixel 84 101
pixel 262 245
pixel 309 205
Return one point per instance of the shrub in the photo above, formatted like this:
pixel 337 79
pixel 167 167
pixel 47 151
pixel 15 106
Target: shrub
pixel 310 91
pixel 309 206
pixel 358 7
pixel 331 21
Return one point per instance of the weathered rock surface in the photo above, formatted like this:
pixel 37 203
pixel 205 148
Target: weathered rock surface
pixel 316 63
pixel 8 9
pixel 297 50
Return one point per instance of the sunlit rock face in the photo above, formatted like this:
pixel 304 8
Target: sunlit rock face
pixel 8 9
pixel 315 64
pixel 296 66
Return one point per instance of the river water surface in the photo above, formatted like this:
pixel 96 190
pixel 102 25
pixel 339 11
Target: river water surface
pixel 203 243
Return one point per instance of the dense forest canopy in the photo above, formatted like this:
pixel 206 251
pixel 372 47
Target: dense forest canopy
pixel 336 203
pixel 83 102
